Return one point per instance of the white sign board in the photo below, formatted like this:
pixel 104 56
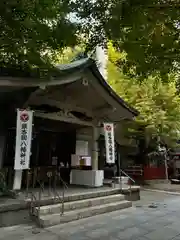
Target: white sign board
pixel 75 160
pixel 81 148
pixel 109 140
pixel 23 139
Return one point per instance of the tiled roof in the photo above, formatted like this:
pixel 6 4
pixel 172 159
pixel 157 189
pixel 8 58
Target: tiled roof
pixel 89 63
pixel 73 65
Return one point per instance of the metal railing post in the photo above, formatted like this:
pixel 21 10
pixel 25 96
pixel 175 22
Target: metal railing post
pixel 129 179
pixel 120 180
pixel 27 183
pixel 62 207
pixel 55 181
pixel 130 190
pixel 39 204
pixel 49 174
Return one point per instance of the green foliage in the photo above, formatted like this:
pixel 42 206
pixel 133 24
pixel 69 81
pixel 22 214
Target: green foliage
pixel 67 55
pixel 157 102
pixel 32 30
pixel 147 30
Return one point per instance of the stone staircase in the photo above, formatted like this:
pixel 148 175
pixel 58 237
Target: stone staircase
pixel 80 206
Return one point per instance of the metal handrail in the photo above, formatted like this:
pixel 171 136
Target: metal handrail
pixel 63 193
pixel 32 204
pixel 41 185
pixel 127 176
pixel 34 201
pixel 63 182
pixel 132 180
pixel 56 194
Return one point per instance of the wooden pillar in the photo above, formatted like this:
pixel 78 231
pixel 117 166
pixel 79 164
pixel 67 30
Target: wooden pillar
pixel 2 148
pixel 95 148
pixel 118 160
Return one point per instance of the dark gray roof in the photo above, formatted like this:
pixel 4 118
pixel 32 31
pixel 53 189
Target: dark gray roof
pixel 58 71
pixel 81 65
pixel 73 65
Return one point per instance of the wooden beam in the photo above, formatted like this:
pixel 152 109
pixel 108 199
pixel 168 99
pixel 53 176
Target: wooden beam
pixel 26 82
pixel 51 102
pixel 104 110
pixel 55 117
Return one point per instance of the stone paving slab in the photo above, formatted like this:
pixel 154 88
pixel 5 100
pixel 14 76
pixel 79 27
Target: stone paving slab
pixel 164 187
pixel 163 233
pixel 141 222
pixel 177 238
pixel 133 232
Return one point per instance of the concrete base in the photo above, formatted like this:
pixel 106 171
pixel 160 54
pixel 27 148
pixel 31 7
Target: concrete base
pixel 156 181
pixel 90 178
pixel 131 193
pixel 123 180
pixel 12 218
pixel 133 196
pixel 17 180
pixel 13 212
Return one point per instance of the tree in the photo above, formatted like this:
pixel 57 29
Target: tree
pixel 147 31
pixel 32 30
pixel 68 54
pixel 157 102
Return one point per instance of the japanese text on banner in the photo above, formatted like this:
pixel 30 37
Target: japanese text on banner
pixel 109 140
pixel 23 139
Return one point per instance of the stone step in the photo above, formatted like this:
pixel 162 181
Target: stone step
pixel 56 208
pixel 116 185
pixel 79 196
pixel 55 219
pixel 117 182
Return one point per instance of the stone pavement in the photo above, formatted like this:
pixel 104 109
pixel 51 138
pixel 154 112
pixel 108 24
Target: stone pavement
pixel 155 217
pixel 165 186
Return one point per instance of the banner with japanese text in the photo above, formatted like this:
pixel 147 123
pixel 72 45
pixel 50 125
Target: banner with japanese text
pixel 23 139
pixel 109 141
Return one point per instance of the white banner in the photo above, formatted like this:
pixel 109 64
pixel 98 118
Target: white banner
pixel 23 139
pixel 109 140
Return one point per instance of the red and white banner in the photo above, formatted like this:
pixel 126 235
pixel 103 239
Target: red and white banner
pixel 23 139
pixel 109 141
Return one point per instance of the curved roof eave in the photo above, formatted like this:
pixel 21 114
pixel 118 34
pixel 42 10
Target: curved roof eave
pixel 81 65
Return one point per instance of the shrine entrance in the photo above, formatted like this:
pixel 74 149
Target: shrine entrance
pixel 74 96
pixel 53 143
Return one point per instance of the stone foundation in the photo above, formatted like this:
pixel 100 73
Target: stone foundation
pixel 12 218
pixel 134 196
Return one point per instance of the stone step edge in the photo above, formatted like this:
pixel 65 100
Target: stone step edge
pixel 55 219
pixel 111 198
pixel 78 196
